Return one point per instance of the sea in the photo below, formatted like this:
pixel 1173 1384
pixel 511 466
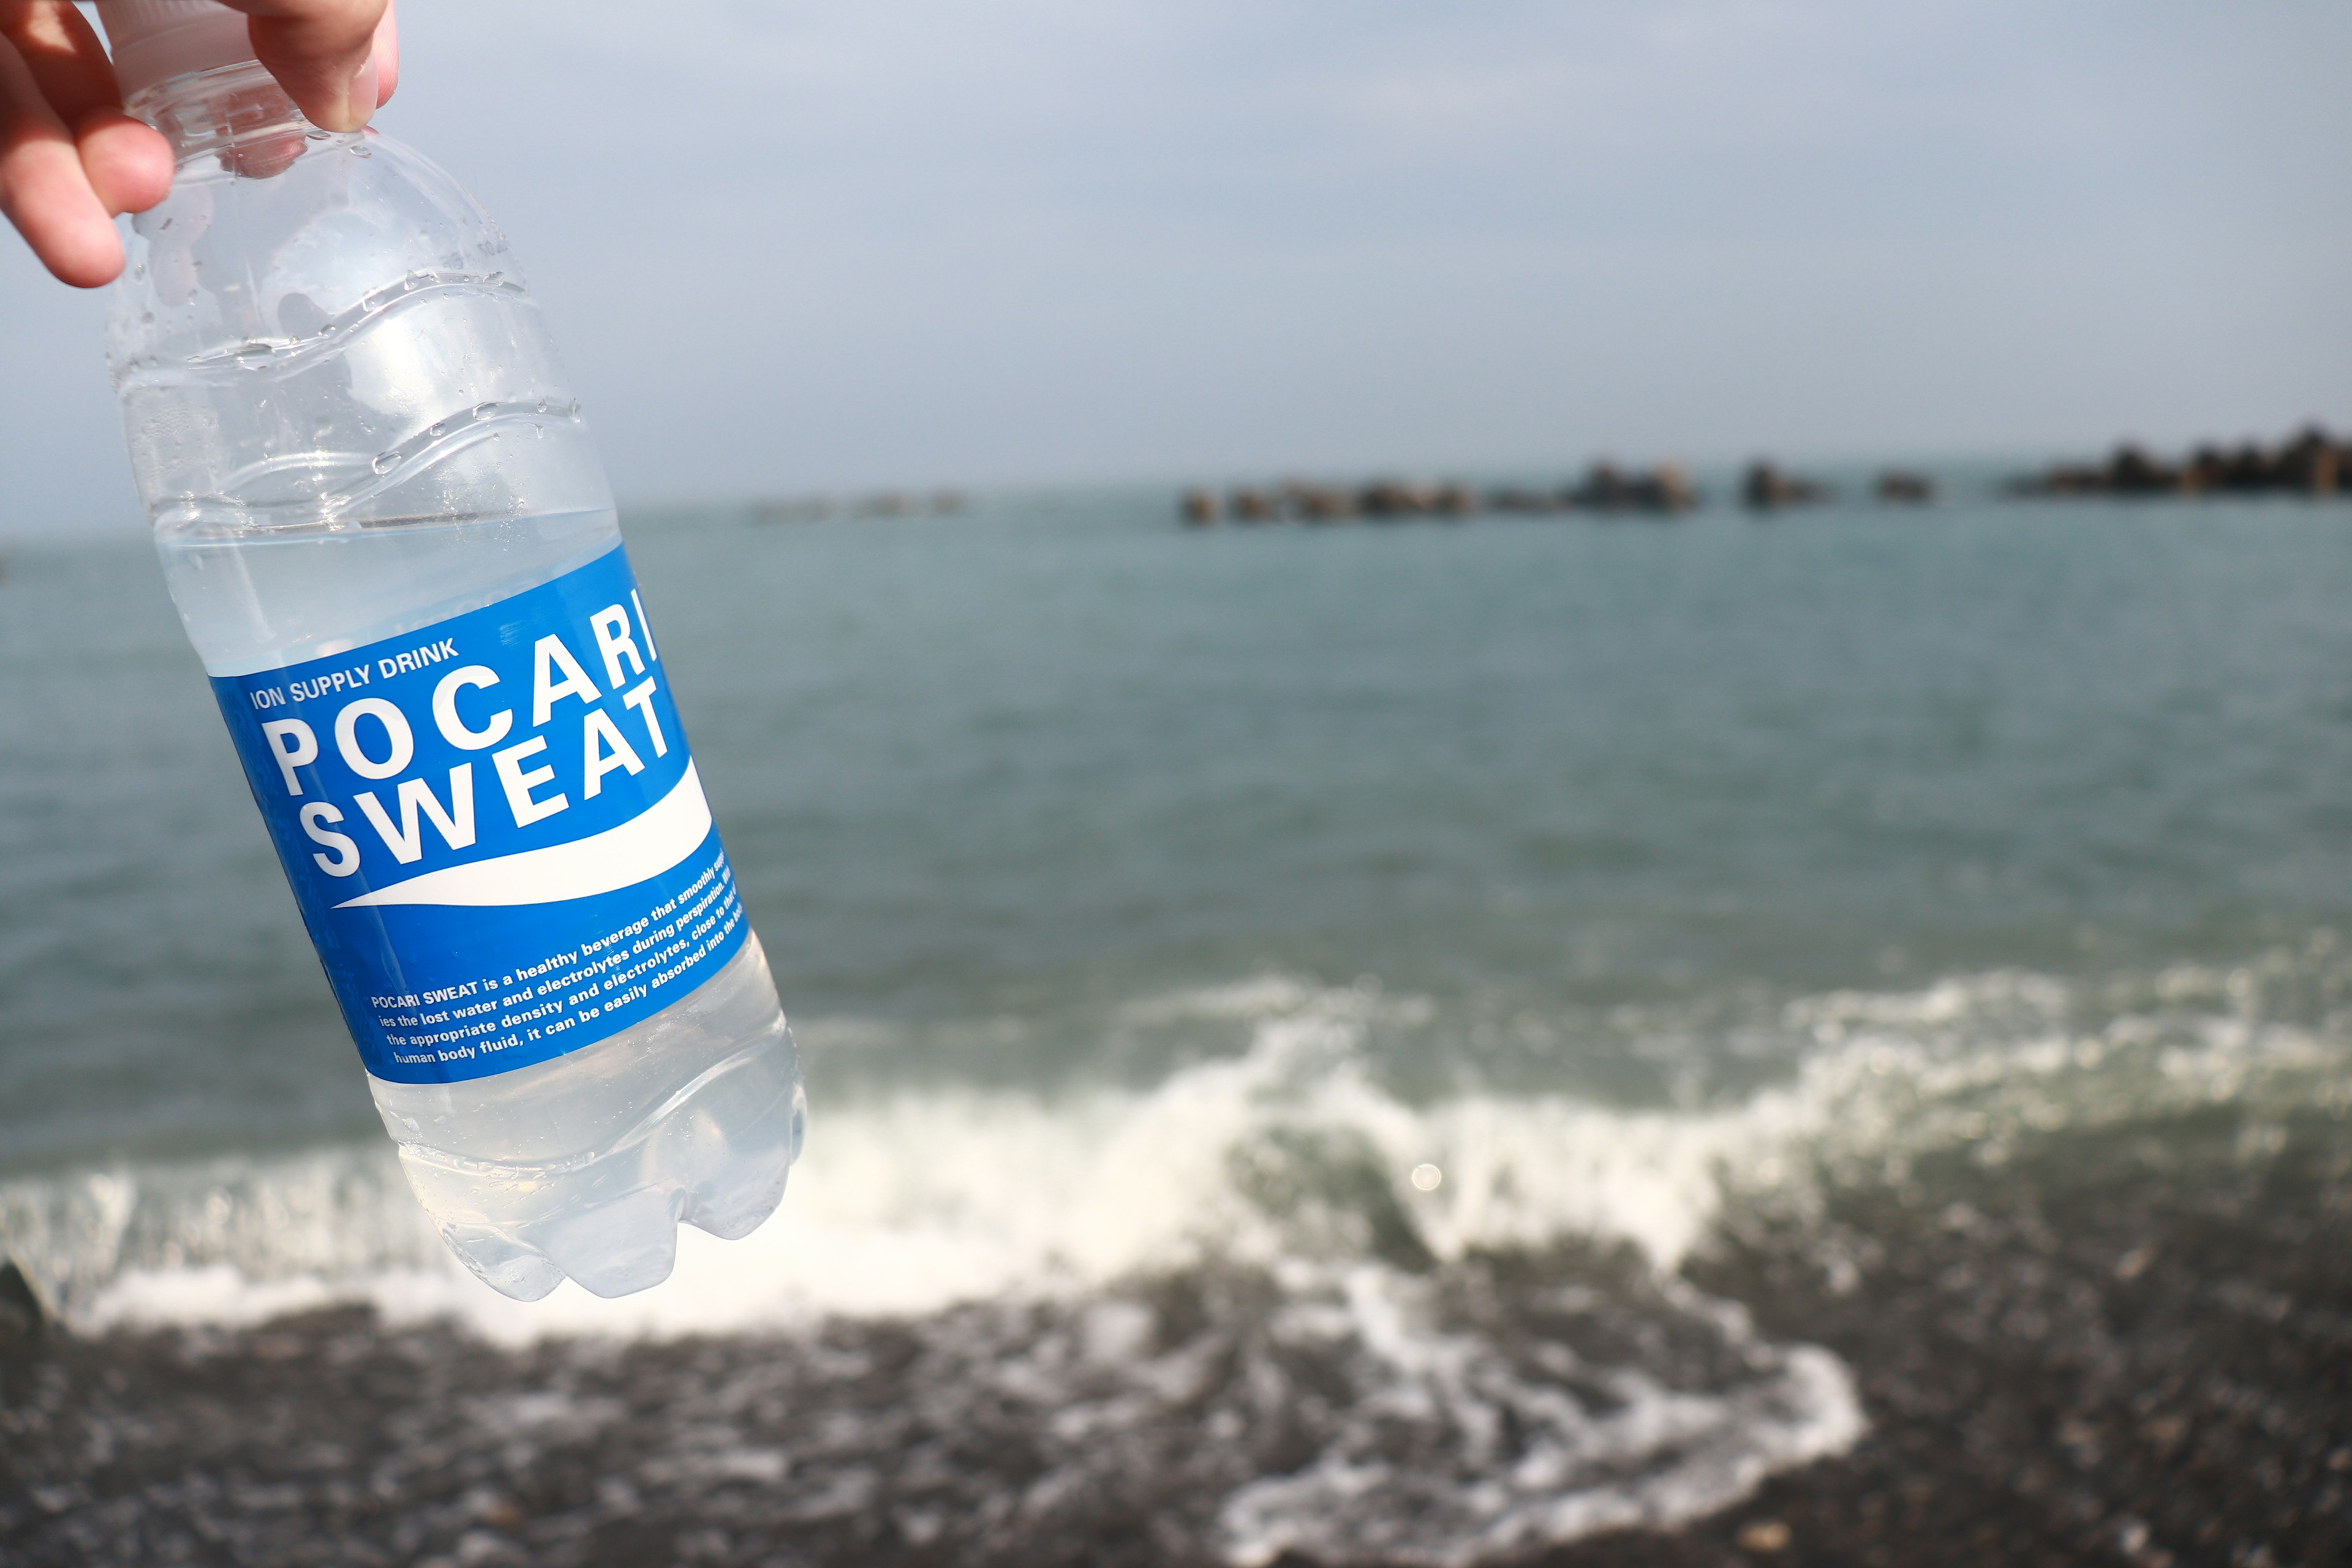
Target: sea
pixel 1302 1023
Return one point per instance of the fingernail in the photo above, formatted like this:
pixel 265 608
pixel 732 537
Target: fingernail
pixel 359 99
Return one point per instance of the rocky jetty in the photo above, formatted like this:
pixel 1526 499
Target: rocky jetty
pixel 1662 490
pixel 1382 500
pixel 2310 463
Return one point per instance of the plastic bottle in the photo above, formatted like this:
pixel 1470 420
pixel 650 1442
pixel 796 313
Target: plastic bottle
pixel 393 545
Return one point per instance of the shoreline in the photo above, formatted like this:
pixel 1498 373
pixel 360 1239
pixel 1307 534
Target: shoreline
pixel 2072 1366
pixel 2130 1347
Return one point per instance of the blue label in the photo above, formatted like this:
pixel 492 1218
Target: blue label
pixel 493 827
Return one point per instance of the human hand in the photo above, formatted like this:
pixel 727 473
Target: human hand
pixel 70 159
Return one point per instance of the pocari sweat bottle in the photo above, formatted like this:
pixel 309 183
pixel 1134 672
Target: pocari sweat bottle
pixel 393 545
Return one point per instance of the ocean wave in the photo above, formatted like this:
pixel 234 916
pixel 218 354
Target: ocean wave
pixel 1292 1152
pixel 1374 1230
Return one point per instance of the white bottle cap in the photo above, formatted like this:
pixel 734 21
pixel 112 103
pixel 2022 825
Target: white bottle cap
pixel 155 40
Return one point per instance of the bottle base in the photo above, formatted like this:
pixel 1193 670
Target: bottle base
pixel 715 1157
pixel 712 1153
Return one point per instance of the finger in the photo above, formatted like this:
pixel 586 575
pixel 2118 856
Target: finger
pixel 388 55
pixel 128 161
pixel 44 190
pixel 323 53
pixel 62 52
pixel 129 165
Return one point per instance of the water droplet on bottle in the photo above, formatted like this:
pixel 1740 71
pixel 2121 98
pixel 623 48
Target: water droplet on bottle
pixel 484 410
pixel 386 461
pixel 543 405
pixel 439 428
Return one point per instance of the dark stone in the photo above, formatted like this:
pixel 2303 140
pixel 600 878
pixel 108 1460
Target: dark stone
pixel 23 1320
pixel 2132 472
pixel 1767 488
pixel 1605 489
pixel 1319 503
pixel 1664 491
pixel 1389 499
pixel 2310 463
pixel 1251 506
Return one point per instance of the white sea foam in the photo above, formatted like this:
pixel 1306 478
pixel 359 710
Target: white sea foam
pixel 1294 1159
pixel 911 1202
pixel 1661 1457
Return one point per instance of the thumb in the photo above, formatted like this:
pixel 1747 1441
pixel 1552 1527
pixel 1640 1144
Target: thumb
pixel 323 53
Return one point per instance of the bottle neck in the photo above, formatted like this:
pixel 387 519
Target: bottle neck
pixel 236 113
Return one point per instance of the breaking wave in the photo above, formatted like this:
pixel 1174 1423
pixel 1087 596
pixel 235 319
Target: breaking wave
pixel 1466 1314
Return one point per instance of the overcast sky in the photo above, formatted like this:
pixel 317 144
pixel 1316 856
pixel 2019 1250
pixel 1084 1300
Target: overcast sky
pixel 791 246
